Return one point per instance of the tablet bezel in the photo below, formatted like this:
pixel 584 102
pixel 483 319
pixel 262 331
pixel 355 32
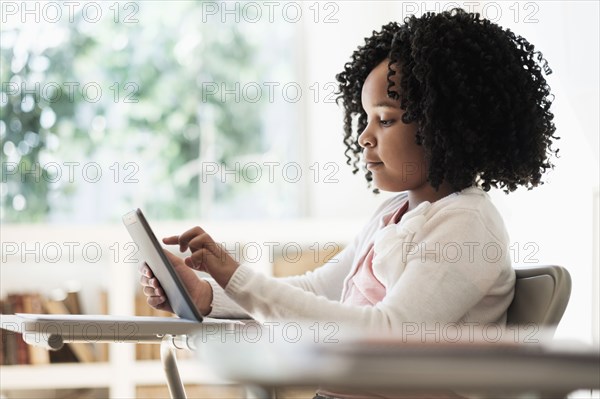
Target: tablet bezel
pixel 177 295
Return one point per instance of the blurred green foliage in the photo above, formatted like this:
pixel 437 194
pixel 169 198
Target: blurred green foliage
pixel 148 123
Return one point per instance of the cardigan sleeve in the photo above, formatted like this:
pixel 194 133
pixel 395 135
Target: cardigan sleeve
pixel 327 281
pixel 431 286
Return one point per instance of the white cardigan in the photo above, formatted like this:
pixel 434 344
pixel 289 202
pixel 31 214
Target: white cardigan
pixel 446 261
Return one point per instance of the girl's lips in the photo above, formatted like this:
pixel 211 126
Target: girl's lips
pixel 374 165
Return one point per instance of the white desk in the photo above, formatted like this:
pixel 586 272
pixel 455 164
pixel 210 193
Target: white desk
pixel 53 331
pixel 231 350
pixel 550 370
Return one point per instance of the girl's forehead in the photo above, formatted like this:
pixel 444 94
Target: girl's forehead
pixel 375 88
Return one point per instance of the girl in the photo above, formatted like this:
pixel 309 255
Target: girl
pixel 439 109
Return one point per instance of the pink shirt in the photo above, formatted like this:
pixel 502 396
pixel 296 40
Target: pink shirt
pixel 365 289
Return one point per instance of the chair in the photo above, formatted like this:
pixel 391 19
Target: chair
pixel 541 296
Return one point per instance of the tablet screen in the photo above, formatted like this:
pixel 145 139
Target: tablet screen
pixel 152 253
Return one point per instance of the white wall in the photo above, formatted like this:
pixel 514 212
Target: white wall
pixel 328 46
pixel 559 215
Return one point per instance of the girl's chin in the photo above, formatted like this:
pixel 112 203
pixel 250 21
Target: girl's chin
pixel 384 185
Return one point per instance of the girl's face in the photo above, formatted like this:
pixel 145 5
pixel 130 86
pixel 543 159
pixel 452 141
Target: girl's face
pixel 391 153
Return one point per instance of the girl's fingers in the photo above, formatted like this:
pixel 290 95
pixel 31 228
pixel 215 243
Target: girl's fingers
pixel 156 301
pixel 200 258
pixel 184 240
pixel 190 263
pixel 155 295
pixel 145 270
pixel 149 282
pixel 204 250
pixel 195 264
pixel 173 240
pixel 203 241
pixel 188 236
pixel 174 259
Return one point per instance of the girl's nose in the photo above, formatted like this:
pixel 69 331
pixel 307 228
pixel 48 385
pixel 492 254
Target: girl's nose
pixel 366 139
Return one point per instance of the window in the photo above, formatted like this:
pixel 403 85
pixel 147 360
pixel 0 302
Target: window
pixel 182 108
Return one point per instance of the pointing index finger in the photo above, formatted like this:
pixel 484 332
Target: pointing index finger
pixel 174 240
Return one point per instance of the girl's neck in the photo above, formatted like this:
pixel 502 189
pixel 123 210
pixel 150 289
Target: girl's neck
pixel 427 193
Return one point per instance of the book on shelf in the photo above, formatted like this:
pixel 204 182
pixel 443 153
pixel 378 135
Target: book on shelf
pixel 83 351
pixel 8 338
pixel 21 353
pixel 14 350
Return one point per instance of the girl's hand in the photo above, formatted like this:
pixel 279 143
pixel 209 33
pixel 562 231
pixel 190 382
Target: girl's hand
pixel 207 255
pixel 199 289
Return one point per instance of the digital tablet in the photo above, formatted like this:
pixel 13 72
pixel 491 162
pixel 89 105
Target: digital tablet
pixel 152 253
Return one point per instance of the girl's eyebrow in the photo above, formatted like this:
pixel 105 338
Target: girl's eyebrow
pixel 386 104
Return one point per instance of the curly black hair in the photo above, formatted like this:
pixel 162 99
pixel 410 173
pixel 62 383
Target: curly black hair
pixel 475 91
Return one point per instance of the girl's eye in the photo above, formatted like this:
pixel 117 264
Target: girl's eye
pixel 387 122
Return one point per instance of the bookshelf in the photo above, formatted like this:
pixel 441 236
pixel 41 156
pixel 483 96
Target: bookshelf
pixel 114 273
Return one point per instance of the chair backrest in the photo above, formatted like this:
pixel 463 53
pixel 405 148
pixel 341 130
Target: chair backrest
pixel 541 296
